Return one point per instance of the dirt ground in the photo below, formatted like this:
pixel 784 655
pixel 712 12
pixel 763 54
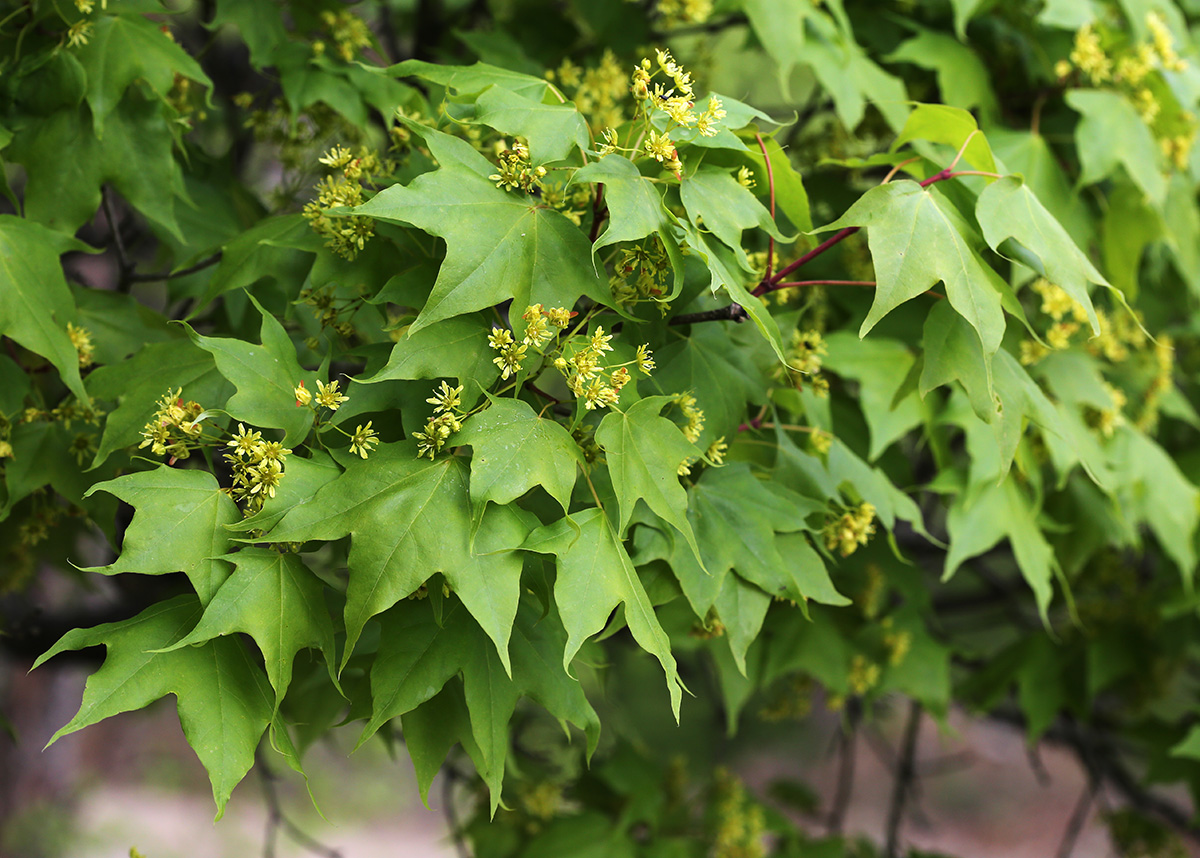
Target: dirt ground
pixel 133 782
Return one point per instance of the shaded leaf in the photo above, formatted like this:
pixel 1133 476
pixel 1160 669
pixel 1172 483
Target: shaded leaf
pixel 223 700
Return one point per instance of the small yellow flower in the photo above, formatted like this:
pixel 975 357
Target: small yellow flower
pixel 81 339
pixel 600 341
pixel 644 359
pixel 245 444
pixel 303 396
pixel 266 477
pixel 364 439
pixel 329 395
pixel 660 147
pixel 445 398
pixel 79 33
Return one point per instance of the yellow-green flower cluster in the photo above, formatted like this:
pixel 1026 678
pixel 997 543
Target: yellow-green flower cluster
pixel 792 702
pixel 327 396
pixel 693 415
pixel 349 33
pixel 851 529
pixel 864 674
pixel 1164 370
pixel 586 374
pixel 739 824
pixel 175 428
pixel 598 92
pixel 81 339
pixel 446 420
pixel 345 236
pixel 805 358
pixel 364 439
pixel 1106 420
pixel 681 12
pixel 692 428
pixel 641 273
pixel 1067 315
pixel 511 353
pixel 898 643
pixel 516 170
pixel 1088 56
pixel 257 467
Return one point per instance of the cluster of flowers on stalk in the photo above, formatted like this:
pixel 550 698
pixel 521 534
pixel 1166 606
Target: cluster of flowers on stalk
pixel 1105 57
pixel 851 529
pixel 330 396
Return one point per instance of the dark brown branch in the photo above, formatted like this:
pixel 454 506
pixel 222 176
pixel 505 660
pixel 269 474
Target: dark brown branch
pixel 599 214
pixel 847 736
pixel 731 313
pixel 450 775
pixel 1078 817
pixel 171 275
pixel 906 772
pixel 692 29
pixel 276 819
pixel 114 231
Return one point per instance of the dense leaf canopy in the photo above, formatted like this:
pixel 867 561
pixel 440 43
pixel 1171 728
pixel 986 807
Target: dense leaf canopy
pixel 452 380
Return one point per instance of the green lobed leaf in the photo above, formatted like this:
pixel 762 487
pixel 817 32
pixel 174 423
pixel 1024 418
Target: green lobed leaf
pixel 917 240
pixel 515 450
pixel 979 521
pixel 644 451
pixel 1009 209
pixel 879 366
pixel 454 348
pixel 1112 134
pixel 178 526
pixel 223 699
pixel 717 202
pixel 135 157
pixel 408 519
pixel 595 575
pixel 499 245
pixel 635 210
pixel 553 130
pixel 266 377
pixel 276 600
pixel 35 302
pixel 274 247
pixel 123 48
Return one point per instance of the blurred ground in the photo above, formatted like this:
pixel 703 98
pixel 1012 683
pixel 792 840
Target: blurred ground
pixel 133 782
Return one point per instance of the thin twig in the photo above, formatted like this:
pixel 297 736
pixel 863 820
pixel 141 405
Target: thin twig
pixel 1033 755
pixel 460 846
pixel 731 313
pixel 134 277
pixel 896 169
pixel 906 772
pixel 599 214
pixel 847 736
pixel 277 820
pixel 114 230
pixel 1078 817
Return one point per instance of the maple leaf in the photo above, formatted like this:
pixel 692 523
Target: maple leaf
pixel 409 518
pixel 178 526
pixel 276 600
pixel 499 245
pixel 224 701
pixel 595 575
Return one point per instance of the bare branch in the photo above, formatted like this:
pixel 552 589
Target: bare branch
pixel 906 773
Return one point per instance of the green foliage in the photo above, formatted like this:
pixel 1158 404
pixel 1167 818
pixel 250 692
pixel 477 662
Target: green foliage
pixel 426 387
